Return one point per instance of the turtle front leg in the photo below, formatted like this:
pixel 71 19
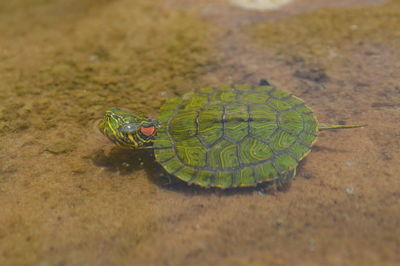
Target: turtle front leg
pixel 282 183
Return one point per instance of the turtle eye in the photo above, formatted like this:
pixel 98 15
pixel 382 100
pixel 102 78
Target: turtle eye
pixel 148 131
pixel 128 128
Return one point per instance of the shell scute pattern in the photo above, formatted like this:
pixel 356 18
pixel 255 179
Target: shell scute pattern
pixel 223 179
pixel 183 125
pixel 252 151
pixel 192 152
pixel 254 97
pixel 224 96
pixel 210 129
pixel 234 136
pixel 204 178
pixel 186 173
pixel 196 102
pixel 223 155
pixel 291 122
pixel 235 126
pixel 265 171
pixel 279 94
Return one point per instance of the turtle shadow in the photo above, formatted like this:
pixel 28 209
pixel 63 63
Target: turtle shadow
pixel 126 162
pixel 266 188
pixel 318 148
pixel 269 187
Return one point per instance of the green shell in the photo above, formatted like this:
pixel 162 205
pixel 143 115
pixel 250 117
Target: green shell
pixel 234 136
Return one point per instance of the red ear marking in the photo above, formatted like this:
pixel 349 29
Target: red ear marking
pixel 148 131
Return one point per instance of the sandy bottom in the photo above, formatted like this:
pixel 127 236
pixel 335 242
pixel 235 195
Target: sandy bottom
pixel 69 198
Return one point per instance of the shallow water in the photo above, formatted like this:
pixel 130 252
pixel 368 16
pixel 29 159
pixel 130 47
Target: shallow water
pixel 69 198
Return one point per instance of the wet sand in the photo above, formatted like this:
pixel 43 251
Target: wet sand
pixel 69 198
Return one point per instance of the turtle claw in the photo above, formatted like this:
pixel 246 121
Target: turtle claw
pixel 283 183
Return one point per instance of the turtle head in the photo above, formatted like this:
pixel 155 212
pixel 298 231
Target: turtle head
pixel 128 130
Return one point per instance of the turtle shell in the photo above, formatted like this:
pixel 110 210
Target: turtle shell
pixel 234 136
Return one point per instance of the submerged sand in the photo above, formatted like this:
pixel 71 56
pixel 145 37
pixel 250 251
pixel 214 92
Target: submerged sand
pixel 68 198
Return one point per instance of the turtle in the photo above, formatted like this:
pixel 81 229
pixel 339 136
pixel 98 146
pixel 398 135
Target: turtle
pixel 225 136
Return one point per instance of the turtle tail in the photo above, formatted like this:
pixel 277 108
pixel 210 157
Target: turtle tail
pixel 328 127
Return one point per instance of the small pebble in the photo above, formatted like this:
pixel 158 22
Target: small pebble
pixel 353 27
pixel 350 191
pixel 260 4
pixel 332 54
pixel 312 244
pixel 278 222
pixel 93 58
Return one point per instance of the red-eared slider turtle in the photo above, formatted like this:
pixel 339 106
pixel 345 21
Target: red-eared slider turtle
pixel 228 136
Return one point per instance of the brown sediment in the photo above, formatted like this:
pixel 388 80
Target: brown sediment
pixel 328 34
pixel 68 199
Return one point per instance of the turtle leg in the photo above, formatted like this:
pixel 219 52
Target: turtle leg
pixel 284 181
pixel 170 180
pixel 264 82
